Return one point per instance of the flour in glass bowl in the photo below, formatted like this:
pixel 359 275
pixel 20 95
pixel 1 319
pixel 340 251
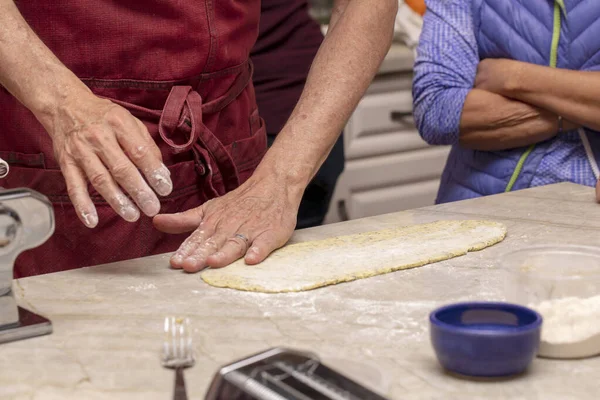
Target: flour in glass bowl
pixel 571 327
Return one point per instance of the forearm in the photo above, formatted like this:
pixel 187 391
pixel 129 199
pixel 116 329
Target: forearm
pixel 493 122
pixel 572 94
pixel 345 64
pixel 29 70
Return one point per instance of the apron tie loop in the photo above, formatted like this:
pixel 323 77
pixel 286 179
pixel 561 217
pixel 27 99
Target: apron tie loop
pixel 183 112
pixel 178 111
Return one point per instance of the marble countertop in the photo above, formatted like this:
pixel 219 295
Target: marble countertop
pixel 108 319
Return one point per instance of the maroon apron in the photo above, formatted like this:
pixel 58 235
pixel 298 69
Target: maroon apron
pixel 182 68
pixel 287 44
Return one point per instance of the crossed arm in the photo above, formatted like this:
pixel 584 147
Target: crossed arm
pixel 494 104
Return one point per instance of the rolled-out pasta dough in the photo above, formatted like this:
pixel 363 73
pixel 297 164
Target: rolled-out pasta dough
pixel 313 264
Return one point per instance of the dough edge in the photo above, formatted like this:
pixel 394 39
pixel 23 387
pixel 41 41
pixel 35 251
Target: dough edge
pixel 240 284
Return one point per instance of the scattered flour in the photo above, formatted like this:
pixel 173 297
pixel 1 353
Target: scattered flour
pixel 142 287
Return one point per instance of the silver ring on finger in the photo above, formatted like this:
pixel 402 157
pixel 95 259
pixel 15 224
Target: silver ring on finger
pixel 243 237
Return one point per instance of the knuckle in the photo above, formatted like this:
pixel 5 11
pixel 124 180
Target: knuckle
pixel 96 137
pixel 199 213
pixel 77 147
pixel 210 220
pixel 99 179
pixel 208 204
pixel 73 149
pixel 75 157
pixel 210 244
pixel 122 171
pixel 197 236
pixel 272 239
pixel 139 153
pixel 116 116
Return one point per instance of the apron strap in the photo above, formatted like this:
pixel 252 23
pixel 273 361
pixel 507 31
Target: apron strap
pixel 184 106
pixel 173 116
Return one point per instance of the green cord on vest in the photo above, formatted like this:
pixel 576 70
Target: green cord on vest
pixel 518 168
pixel 555 34
pixel 558 6
pixel 561 4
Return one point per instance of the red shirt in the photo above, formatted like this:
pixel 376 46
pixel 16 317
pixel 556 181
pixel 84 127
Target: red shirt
pixel 287 43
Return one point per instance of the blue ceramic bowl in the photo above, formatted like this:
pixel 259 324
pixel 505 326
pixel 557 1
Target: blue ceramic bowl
pixel 485 339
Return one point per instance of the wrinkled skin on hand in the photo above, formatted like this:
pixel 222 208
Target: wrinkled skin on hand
pixel 261 211
pixel 98 141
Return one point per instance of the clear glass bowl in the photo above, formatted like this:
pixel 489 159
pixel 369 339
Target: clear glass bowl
pixel 539 277
pixel 543 273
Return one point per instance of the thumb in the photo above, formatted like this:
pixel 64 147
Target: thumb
pixel 263 245
pixel 182 222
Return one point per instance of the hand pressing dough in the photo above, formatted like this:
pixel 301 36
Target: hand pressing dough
pixel 309 265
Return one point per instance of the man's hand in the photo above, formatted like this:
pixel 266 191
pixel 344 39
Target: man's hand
pixel 251 221
pixel 98 141
pixel 263 210
pixel 94 140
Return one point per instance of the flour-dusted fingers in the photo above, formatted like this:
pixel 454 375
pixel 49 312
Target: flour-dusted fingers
pixel 77 191
pixel 143 152
pixel 111 146
pixel 250 221
pixel 125 173
pixel 103 182
pixel 189 246
pixel 197 260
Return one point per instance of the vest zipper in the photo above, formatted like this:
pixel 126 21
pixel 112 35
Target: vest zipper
pixel 558 6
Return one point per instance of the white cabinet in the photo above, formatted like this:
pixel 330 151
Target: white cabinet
pixel 388 166
pixel 393 198
pixel 371 131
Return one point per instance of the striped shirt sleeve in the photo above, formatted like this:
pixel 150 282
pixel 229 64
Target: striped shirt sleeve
pixel 445 69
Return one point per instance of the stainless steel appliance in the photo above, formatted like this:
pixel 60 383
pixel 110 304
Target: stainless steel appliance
pixel 284 374
pixel 26 221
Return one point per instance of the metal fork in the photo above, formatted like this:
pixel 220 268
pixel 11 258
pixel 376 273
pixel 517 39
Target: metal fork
pixel 178 352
